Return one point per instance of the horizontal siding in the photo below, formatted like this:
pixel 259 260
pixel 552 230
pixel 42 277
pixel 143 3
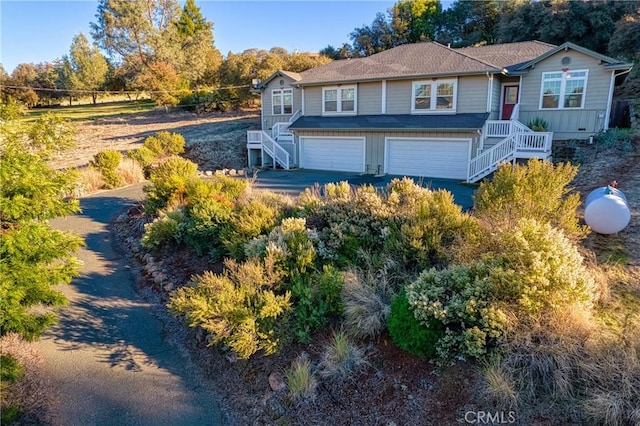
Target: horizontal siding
pixel 370 98
pixel 268 118
pixel 374 149
pixel 472 94
pixel 567 124
pixel 399 97
pixel 313 100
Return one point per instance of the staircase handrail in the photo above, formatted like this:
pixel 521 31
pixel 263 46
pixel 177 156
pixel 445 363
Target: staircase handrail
pixel 489 160
pixel 275 150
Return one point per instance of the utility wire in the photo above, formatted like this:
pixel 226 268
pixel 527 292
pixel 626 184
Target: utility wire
pixel 45 89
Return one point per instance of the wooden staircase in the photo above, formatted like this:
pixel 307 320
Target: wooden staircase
pixel 519 142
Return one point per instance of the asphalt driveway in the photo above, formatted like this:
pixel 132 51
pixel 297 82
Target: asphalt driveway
pixel 295 181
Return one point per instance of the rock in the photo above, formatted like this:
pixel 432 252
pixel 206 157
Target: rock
pixel 241 172
pixel 232 172
pixel 276 382
pixel 168 286
pixel 274 408
pixel 208 173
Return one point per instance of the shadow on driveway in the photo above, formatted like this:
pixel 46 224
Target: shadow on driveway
pixel 292 182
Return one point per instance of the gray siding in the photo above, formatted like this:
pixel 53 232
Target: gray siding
pixel 370 98
pixel 399 97
pixel 374 145
pixel 313 100
pixel 268 118
pixel 472 94
pixel 568 123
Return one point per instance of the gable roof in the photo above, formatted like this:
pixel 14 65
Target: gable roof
pixel 408 60
pixel 509 55
pixel 610 63
pixel 280 73
pixel 431 59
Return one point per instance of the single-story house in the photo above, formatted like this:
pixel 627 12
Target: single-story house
pixel 428 110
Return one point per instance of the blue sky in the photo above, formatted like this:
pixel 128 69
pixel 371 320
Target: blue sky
pixel 41 31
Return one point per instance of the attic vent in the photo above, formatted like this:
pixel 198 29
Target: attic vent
pixel 281 82
pixel 566 60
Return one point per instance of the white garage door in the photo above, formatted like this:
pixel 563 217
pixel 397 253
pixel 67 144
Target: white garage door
pixel 337 154
pixel 437 158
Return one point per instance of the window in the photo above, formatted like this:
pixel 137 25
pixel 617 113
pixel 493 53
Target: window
pixel 563 89
pixel 339 100
pixel 282 101
pixel 434 96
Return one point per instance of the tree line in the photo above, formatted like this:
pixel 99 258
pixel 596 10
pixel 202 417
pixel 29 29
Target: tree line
pixel 154 47
pixel 168 52
pixel 605 26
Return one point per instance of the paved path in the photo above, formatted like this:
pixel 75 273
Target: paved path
pixel 108 358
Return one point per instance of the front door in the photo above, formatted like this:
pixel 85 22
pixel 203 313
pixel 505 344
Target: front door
pixel 509 100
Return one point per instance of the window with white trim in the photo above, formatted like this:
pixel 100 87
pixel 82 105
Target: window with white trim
pixel 339 100
pixel 563 89
pixel 434 96
pixel 282 101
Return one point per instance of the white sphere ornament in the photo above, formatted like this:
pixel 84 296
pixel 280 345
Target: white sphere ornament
pixel 606 210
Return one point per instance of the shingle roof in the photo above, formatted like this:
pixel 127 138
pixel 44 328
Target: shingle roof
pixel 467 121
pixel 507 55
pixel 409 60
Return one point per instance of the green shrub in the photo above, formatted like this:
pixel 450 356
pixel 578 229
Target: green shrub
pixel 341 358
pixel 539 269
pixel 144 156
pixel 532 270
pixel 316 298
pixel 347 220
pixel 169 184
pixel 107 162
pixel 426 228
pixel 239 309
pixel 248 221
pixel 410 334
pixel 165 144
pixel 538 190
pixel 290 245
pixel 621 139
pixel 165 229
pixel 459 300
pixel 538 124
pixel 204 222
pixel 10 372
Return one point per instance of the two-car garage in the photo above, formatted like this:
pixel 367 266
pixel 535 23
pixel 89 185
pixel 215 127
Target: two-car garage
pixel 405 156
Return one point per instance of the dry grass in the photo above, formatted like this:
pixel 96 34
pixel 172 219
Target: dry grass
pixel 91 180
pixel 341 358
pixel 367 300
pixel 130 171
pixel 300 379
pixel 32 393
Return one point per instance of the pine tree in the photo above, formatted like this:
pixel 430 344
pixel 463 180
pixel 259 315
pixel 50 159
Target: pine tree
pixel 34 257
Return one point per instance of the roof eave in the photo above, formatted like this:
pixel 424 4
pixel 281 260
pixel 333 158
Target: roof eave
pixel 619 66
pixel 386 129
pixel 395 78
pixel 565 46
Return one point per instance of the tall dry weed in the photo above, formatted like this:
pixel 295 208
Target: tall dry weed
pixel 130 171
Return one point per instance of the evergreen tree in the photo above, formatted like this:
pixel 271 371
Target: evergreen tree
pixel 87 68
pixel 34 258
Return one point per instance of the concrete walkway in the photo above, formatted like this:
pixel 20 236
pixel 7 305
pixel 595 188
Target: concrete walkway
pixel 109 358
